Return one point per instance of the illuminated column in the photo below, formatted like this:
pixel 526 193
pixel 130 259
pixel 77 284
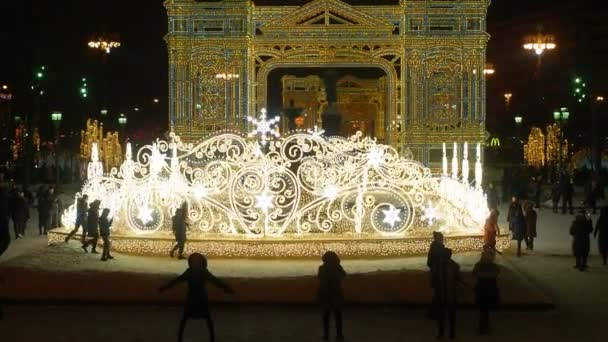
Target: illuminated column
pixel 465 163
pixel 478 168
pixel 455 161
pixel 95 167
pixel 445 161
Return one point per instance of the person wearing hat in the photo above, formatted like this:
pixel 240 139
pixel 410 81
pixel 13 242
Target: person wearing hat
pixel 446 293
pixel 92 227
pixel 580 230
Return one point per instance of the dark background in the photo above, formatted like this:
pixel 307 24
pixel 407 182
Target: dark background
pixel 55 33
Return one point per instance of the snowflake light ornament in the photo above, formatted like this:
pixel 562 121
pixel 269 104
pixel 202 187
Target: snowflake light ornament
pixel 263 127
pixel 429 214
pixel 316 132
pixel 144 214
pixel 391 216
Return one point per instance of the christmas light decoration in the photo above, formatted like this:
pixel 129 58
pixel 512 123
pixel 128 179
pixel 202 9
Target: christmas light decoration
pixel 303 189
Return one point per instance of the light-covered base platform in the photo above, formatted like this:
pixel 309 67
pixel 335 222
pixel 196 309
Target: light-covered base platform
pixel 289 248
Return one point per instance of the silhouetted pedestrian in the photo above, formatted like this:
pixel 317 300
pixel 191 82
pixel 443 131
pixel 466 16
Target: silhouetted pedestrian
pixel 432 262
pixel 493 198
pixel 538 191
pixel 531 218
pixel 517 223
pixel 5 235
pixel 179 226
pixel 580 230
pixel 21 214
pixel 486 289
pixel 105 222
pixel 92 227
pixel 44 212
pixel 491 230
pixel 446 290
pixel 555 195
pixel 330 293
pixel 567 192
pixel 601 232
pixel 54 208
pixel 197 301
pixel 81 217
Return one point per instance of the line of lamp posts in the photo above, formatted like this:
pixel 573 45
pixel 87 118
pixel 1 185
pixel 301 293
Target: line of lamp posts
pixel 57 116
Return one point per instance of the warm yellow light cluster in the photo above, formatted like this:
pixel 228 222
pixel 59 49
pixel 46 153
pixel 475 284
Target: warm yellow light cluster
pixel 106 46
pixel 289 248
pixel 534 150
pixel 554 139
pixel 110 149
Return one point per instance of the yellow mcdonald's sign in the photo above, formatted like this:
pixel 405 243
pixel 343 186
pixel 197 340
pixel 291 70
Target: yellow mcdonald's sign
pixel 494 142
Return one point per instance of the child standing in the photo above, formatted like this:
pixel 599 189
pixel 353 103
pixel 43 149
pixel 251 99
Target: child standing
pixel 197 301
pixel 330 294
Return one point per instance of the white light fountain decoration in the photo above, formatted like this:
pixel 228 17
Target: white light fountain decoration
pixel 299 187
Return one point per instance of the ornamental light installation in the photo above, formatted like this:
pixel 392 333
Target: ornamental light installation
pixel 104 45
pixel 265 128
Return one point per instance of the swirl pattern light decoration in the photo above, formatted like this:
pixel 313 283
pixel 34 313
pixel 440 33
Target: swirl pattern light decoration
pixel 300 187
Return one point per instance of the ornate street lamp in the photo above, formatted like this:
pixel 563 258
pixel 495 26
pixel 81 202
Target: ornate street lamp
pixel 540 43
pixel 56 119
pixel 122 123
pixel 518 120
pixel 104 45
pixel 561 116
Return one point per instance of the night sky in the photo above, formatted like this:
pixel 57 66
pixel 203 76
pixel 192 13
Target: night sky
pixel 55 33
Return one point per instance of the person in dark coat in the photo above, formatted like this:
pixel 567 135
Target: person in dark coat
pixel 197 302
pixel 580 230
pixel 92 227
pixel 555 195
pixel 54 208
pixel 446 291
pixel 493 198
pixel 105 222
pixel 179 230
pixel 330 293
pixel 5 235
pixel 81 217
pixel 567 191
pixel 531 218
pixel 44 212
pixel 486 289
pixel 517 223
pixel 538 191
pixel 601 232
pixel 21 214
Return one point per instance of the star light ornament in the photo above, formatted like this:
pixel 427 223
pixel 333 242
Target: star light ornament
pixel 391 216
pixel 264 202
pixel 144 214
pixel 429 214
pixel 375 157
pixel 316 132
pixel 264 128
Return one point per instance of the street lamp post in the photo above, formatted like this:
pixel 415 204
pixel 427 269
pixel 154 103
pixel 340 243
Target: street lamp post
pixel 561 116
pixel 518 122
pixel 539 43
pixel 56 119
pixel 122 123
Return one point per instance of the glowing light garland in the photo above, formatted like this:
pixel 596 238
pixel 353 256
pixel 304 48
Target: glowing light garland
pixel 303 187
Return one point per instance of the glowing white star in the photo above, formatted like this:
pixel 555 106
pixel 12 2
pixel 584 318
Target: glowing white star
pixel 263 127
pixel 391 216
pixel 375 157
pixel 316 132
pixel 264 202
pixel 144 214
pixel 430 213
pixel 199 191
pixel 331 192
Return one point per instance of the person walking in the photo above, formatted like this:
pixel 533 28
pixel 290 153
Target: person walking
pixel 105 222
pixel 517 223
pixel 487 296
pixel 491 230
pixel 493 198
pixel 81 218
pixel 580 230
pixel 601 232
pixel 21 214
pixel 449 280
pixel 330 293
pixel 54 208
pixel 197 301
pixel 567 191
pixel 538 191
pixel 44 212
pixel 179 230
pixel 5 235
pixel 92 227
pixel 531 218
pixel 555 195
